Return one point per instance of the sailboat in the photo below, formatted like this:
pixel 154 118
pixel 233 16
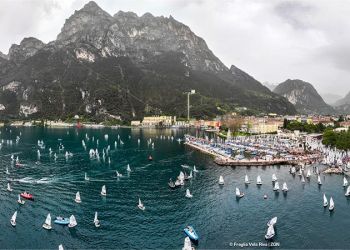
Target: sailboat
pixel 77 198
pixel 238 193
pixel 13 219
pixel 246 179
pixel 302 179
pixel 319 180
pixel 187 244
pixel 276 187
pixel 308 173
pixel 274 178
pixel 258 180
pixel 103 190
pixel 345 182
pixel 188 194
pixel 221 180
pixel 140 205
pixel 72 221
pixel 300 172
pixel 272 222
pixel 20 201
pixel 60 247
pixel 190 176
pixel 96 221
pixel 194 169
pixel 331 204
pixel 284 187
pixel 86 177
pixel 270 233
pixel 347 191
pixel 7 170
pixel 128 168
pixel 293 170
pixel 47 224
pixel 9 187
pixel 118 174
pixel 325 202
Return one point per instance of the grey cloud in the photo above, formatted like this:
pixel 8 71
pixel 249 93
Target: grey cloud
pixel 294 12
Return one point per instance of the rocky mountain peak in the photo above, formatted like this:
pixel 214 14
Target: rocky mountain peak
pixel 3 56
pixel 27 48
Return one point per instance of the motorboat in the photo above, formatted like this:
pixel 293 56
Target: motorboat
pixel 191 233
pixel 27 196
pixel 61 220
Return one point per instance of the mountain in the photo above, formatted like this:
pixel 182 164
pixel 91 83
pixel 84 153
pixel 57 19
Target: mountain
pixel 125 65
pixel 270 86
pixel 330 98
pixel 343 105
pixel 304 97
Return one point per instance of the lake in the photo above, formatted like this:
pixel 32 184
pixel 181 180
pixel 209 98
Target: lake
pixel 219 218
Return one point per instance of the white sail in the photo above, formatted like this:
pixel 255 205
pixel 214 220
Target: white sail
pixel 187 244
pixel 258 180
pixel 277 187
pixel 194 169
pixel 9 187
pixel 319 180
pixel 181 176
pixel 128 168
pixel 246 179
pixel 285 188
pixel 140 203
pixel 325 201
pixel 221 180
pixel 274 178
pixel 7 170
pixel 72 221
pixel 60 247
pixel 331 204
pixel 48 220
pixel 345 182
pixel 77 197
pixel 96 219
pixel 347 191
pixel 308 173
pixel 86 177
pixel 302 178
pixel 272 222
pixel 191 175
pixel 103 190
pixel 14 216
pixel 238 192
pixel 270 232
pixel 188 193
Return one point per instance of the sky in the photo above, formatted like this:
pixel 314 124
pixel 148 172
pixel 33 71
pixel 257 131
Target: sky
pixel 272 40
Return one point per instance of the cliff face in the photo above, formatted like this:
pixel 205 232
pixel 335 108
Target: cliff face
pixel 304 97
pixel 102 65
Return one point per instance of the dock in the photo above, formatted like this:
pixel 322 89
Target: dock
pixel 252 162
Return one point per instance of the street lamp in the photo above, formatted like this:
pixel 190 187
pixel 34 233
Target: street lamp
pixel 192 92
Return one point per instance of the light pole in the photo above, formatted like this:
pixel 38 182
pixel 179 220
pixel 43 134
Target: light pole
pixel 192 92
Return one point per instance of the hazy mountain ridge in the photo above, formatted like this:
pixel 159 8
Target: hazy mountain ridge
pixel 103 65
pixel 304 97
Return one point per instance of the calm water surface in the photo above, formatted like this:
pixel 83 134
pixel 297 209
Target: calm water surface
pixel 215 213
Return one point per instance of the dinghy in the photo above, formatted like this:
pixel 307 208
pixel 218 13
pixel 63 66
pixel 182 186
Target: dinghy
pixel 20 201
pixel 238 193
pixel 27 196
pixel 276 187
pixel 274 177
pixel 187 244
pixel 308 173
pixel 96 221
pixel 103 190
pixel 221 180
pixel 13 219
pixel 188 194
pixel 72 221
pixel 47 224
pixel 77 197
pixel 194 169
pixel 258 180
pixel 319 180
pixel 284 187
pixel 191 233
pixel 246 179
pixel 61 220
pixel 9 187
pixel 86 177
pixel 140 205
pixel 347 191
pixel 331 204
pixel 128 168
pixel 325 201
pixel 345 182
pixel 270 233
pixel 272 222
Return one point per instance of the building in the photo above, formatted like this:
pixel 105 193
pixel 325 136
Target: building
pixel 163 120
pixel 256 125
pixel 135 123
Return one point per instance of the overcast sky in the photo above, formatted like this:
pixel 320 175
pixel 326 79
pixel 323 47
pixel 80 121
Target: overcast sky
pixel 272 40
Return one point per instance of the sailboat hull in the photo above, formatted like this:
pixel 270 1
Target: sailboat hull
pixel 47 226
